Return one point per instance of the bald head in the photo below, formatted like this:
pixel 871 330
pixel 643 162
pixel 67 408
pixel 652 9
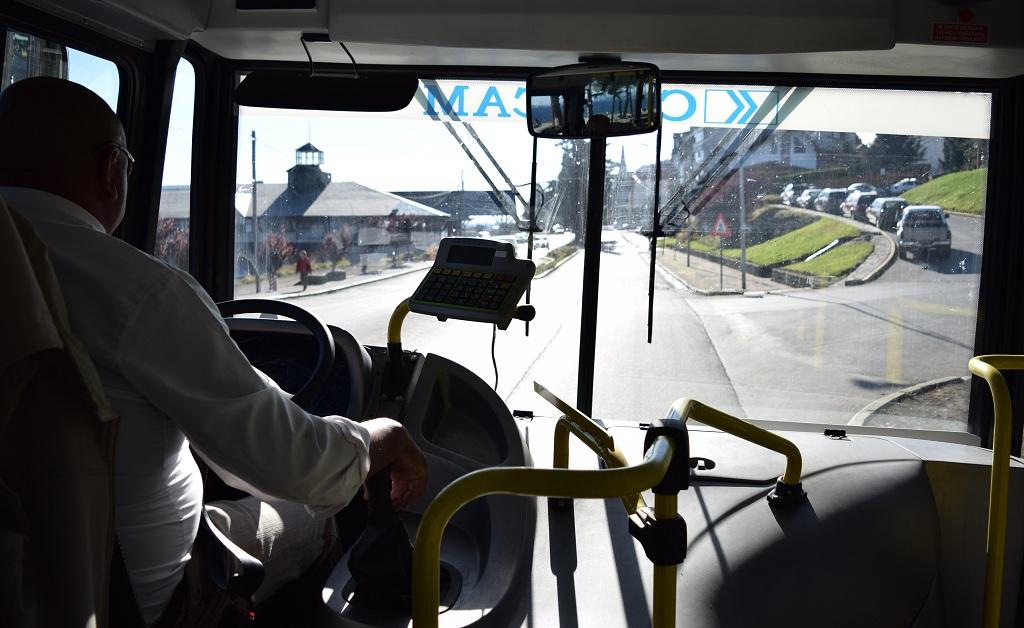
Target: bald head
pixel 60 137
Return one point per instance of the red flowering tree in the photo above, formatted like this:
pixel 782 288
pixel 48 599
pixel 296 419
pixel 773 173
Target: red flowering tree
pixel 172 243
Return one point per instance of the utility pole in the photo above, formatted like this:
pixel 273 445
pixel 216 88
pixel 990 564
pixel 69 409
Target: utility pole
pixel 743 230
pixel 255 217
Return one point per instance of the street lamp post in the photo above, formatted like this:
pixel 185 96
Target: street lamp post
pixel 255 218
pixel 743 230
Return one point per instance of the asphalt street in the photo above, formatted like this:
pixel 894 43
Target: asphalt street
pixel 800 355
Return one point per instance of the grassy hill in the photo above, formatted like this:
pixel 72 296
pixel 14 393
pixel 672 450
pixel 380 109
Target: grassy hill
pixel 791 246
pixel 958 191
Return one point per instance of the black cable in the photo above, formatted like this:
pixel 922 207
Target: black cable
pixel 312 70
pixel 494 360
pixel 355 68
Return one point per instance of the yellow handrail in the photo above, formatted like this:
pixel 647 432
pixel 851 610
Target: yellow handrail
pixel 987 367
pixel 592 435
pixel 684 409
pixel 592 484
pixel 395 324
pixel 663 609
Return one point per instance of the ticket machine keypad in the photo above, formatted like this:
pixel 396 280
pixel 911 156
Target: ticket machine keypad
pixel 462 288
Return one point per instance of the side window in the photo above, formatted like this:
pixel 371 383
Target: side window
pixel 26 56
pixel 172 231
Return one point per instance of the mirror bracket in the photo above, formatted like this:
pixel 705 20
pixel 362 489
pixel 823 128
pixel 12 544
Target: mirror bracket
pixel 600 57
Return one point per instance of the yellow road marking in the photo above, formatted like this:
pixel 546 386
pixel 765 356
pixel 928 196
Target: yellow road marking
pixel 819 335
pixel 894 346
pixel 938 308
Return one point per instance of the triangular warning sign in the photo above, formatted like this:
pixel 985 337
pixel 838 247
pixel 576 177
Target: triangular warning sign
pixel 721 228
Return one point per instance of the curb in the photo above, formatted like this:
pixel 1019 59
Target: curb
pixel 673 277
pixel 354 284
pixel 884 266
pixel 558 264
pixel 873 407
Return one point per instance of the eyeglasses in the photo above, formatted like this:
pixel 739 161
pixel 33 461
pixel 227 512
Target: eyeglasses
pixel 128 155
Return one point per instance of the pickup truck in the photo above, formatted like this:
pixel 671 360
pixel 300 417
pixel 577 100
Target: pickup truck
pixel 922 229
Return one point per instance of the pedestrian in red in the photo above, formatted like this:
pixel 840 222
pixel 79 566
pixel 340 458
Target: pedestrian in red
pixel 303 267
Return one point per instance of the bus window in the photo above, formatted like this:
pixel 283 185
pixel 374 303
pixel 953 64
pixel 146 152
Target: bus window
pixel 172 232
pixel 824 322
pixel 368 198
pixel 28 56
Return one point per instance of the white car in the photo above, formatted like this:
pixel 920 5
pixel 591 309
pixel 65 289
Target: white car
pixel 903 185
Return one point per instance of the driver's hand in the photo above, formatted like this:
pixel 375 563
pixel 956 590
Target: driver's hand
pixel 391 446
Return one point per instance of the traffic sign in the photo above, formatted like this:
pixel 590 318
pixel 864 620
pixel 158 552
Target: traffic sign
pixel 721 228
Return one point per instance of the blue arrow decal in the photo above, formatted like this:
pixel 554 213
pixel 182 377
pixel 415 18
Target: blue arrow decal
pixel 739 106
pixel 750 103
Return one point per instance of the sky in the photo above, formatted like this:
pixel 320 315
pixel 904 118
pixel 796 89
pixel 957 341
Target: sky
pixel 405 152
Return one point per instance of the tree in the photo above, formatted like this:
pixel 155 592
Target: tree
pixel 961 153
pixel 274 250
pixel 331 251
pixel 894 153
pixel 172 243
pixel 570 188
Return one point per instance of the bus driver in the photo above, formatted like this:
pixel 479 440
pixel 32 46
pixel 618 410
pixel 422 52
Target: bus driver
pixel 175 377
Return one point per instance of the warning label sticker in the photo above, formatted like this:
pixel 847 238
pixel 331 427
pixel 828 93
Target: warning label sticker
pixel 955 32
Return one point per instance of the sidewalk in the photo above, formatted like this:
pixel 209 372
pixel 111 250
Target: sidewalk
pixel 703 275
pixel 287 288
pixel 706 277
pixel 876 263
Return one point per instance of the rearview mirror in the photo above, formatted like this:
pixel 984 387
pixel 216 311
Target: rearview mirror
pixel 589 100
pixel 299 90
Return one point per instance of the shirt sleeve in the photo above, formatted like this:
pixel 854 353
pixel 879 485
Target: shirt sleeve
pixel 176 351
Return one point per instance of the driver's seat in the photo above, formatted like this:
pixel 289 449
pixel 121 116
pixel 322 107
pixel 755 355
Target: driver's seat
pixel 57 437
pixel 56 451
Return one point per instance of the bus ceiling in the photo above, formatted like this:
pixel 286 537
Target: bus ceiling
pixel 908 37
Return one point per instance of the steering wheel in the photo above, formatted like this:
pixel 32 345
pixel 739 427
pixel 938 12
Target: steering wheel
pixel 324 340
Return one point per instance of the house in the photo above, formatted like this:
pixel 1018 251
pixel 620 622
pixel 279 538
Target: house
pixel 311 206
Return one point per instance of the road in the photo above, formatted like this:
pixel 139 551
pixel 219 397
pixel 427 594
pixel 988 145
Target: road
pixel 798 355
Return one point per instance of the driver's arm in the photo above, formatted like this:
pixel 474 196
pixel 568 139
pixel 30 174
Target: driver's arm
pixel 176 352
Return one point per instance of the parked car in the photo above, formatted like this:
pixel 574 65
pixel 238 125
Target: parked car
pixel 829 200
pixel 903 185
pixel 557 229
pixel 860 187
pixel 885 212
pixel 921 230
pixel 791 192
pixel 856 203
pixel 806 198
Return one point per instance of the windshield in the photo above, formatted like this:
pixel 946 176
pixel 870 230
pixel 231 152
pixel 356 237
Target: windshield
pixel 925 218
pixel 766 310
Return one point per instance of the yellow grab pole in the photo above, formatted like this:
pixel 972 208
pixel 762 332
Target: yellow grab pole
pixel 395 324
pixel 613 458
pixel 987 367
pixel 592 435
pixel 663 613
pixel 591 484
pixel 561 445
pixel 684 409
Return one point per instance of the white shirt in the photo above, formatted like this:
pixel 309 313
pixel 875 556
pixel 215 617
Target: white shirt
pixel 175 377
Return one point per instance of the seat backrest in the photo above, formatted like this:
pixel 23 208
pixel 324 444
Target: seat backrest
pixel 56 451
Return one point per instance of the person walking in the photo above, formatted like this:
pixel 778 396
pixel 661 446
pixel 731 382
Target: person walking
pixel 303 267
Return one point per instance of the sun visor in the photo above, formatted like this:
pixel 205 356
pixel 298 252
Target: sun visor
pixel 750 26
pixel 299 90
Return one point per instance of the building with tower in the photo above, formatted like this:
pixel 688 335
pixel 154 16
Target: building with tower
pixel 311 208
